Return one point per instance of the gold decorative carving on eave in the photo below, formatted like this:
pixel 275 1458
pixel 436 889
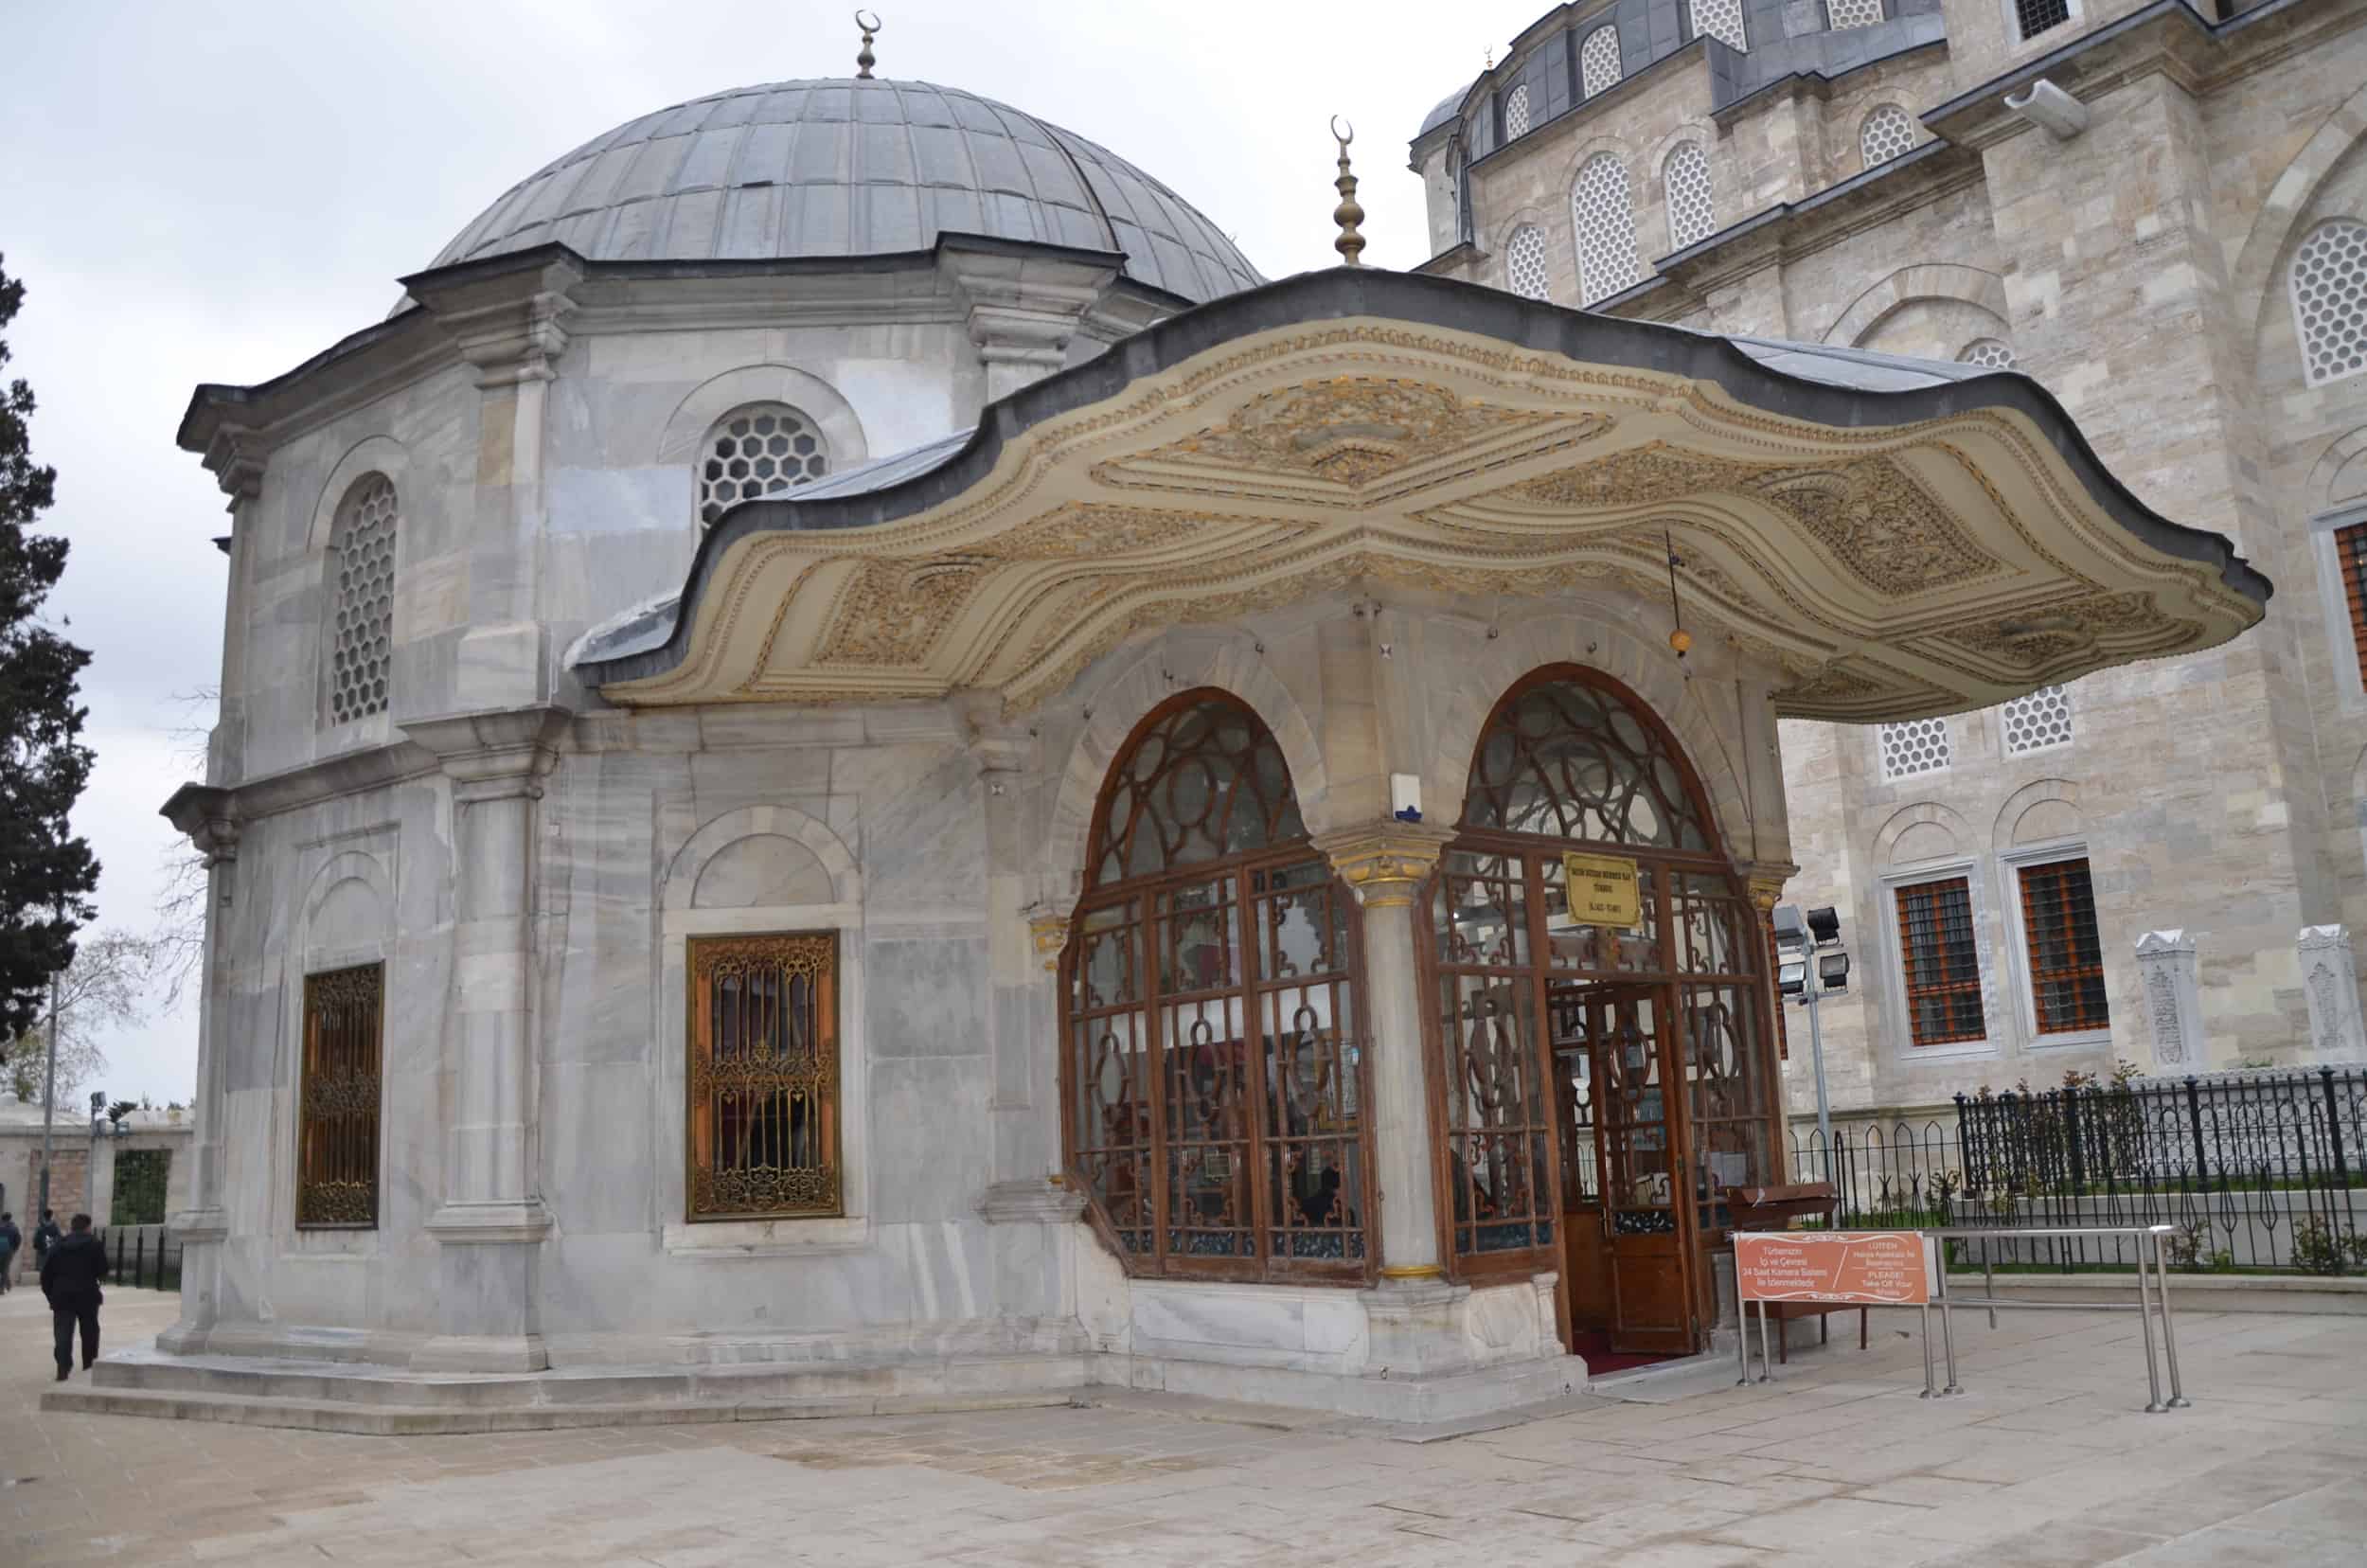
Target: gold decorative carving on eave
pixel 2035 640
pixel 1049 934
pixel 1384 862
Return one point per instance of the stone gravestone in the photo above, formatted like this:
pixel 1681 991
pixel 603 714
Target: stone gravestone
pixel 2166 965
pixel 2331 980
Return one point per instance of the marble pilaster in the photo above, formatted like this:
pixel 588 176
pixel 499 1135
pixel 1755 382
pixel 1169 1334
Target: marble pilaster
pixel 206 815
pixel 492 1220
pixel 2331 980
pixel 2166 965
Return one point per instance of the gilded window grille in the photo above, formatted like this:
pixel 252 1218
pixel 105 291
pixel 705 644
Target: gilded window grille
pixel 763 1100
pixel 338 1098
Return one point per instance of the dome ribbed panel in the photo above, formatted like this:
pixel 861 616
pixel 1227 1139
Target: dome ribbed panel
pixel 851 168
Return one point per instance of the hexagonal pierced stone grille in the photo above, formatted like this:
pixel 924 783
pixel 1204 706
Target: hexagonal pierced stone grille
pixel 1524 262
pixel 1885 134
pixel 1721 19
pixel 1603 213
pixel 361 624
pixel 2041 720
pixel 1599 60
pixel 760 450
pixel 1687 176
pixel 1843 14
pixel 1988 351
pixel 1917 746
pixel 1517 114
pixel 2329 280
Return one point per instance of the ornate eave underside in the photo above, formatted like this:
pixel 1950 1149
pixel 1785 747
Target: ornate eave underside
pixel 1895 554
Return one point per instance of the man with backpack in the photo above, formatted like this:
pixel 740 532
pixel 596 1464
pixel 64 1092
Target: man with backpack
pixel 10 1239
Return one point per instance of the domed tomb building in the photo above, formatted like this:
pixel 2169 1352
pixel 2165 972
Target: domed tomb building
pixel 857 772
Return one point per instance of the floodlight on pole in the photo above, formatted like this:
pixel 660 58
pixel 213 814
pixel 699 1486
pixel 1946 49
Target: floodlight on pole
pixel 1810 962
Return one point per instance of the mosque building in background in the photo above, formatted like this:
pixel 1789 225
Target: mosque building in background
pixel 858 772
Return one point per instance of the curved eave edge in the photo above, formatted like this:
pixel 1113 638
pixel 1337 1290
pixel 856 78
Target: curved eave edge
pixel 1347 293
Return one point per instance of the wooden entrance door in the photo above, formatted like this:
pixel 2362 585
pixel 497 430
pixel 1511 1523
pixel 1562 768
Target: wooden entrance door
pixel 1646 1219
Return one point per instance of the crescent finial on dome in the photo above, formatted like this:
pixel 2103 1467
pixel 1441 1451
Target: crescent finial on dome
pixel 865 59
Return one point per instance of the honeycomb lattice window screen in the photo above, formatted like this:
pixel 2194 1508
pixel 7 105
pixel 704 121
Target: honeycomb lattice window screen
pixel 2329 281
pixel 1885 134
pixel 362 600
pixel 1517 114
pixel 760 450
pixel 2041 720
pixel 1602 211
pixel 2033 17
pixel 1599 60
pixel 1917 746
pixel 1843 14
pixel 1687 177
pixel 1721 19
pixel 1524 262
pixel 1991 353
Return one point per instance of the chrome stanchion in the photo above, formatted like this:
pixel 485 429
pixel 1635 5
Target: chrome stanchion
pixel 1742 1341
pixel 1930 1390
pixel 2169 1335
pixel 1948 1324
pixel 1767 1356
pixel 2145 1316
pixel 1988 1278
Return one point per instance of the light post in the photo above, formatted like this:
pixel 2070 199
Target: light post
pixel 1805 982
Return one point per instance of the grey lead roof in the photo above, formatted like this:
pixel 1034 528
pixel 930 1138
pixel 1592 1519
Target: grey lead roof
pixel 851 168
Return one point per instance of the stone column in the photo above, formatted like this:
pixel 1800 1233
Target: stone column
pixel 204 815
pixel 1385 864
pixel 1021 1020
pixel 492 1218
pixel 2330 976
pixel 2166 969
pixel 1023 311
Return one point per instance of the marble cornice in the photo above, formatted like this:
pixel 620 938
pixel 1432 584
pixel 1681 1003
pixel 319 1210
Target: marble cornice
pixel 496 754
pixel 210 818
pixel 311 783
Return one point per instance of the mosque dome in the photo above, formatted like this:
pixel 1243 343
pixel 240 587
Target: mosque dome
pixel 851 166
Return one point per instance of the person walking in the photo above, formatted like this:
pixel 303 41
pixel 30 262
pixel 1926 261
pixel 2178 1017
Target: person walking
pixel 44 1237
pixel 11 1239
pixel 69 1277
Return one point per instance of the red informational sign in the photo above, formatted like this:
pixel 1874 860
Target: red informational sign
pixel 1854 1268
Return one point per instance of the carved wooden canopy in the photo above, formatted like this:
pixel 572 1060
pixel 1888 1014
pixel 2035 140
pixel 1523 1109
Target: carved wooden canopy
pixel 1895 552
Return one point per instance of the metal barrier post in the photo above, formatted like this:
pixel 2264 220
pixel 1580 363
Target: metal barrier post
pixel 1767 1356
pixel 1989 1277
pixel 1948 1325
pixel 2169 1335
pixel 1929 1391
pixel 2145 1316
pixel 1742 1340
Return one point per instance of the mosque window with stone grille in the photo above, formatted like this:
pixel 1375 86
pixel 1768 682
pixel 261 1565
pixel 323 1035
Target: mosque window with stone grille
pixel 1721 19
pixel 1841 15
pixel 337 1097
pixel 2063 946
pixel 1524 262
pixel 361 576
pixel 1942 963
pixel 1687 177
pixel 2041 720
pixel 1599 60
pixel 1517 114
pixel 763 1076
pixel 2033 17
pixel 2329 282
pixel 1991 353
pixel 1914 747
pixel 761 449
pixel 1602 211
pixel 1885 134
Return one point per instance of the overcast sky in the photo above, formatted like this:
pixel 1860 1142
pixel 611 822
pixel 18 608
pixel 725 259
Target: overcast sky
pixel 216 192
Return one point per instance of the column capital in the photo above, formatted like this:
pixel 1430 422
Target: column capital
pixel 493 756
pixel 1048 928
pixel 1766 881
pixel 206 813
pixel 507 319
pixel 1384 862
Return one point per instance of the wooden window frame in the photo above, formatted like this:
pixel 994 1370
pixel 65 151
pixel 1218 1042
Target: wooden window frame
pixel 340 1114
pixel 820 1080
pixel 1911 988
pixel 2350 565
pixel 2029 900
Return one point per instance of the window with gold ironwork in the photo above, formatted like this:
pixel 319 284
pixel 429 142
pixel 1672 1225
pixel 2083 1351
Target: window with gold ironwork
pixel 1942 962
pixel 763 1076
pixel 2350 552
pixel 1213 1061
pixel 337 1097
pixel 2058 924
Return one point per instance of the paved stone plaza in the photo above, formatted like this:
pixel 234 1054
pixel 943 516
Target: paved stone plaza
pixel 2045 1462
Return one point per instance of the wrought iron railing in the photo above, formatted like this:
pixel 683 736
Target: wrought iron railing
pixel 2259 1170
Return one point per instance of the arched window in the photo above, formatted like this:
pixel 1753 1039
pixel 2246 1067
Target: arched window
pixel 1841 15
pixel 1524 262
pixel 1721 19
pixel 1517 114
pixel 757 450
pixel 1213 1062
pixel 2329 283
pixel 1602 212
pixel 1991 353
pixel 1604 1066
pixel 1885 134
pixel 1686 176
pixel 360 580
pixel 1599 60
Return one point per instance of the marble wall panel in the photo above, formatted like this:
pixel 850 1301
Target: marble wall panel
pixel 929 997
pixel 932 1144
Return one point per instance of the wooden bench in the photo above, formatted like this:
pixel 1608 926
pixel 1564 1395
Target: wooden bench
pixel 1765 1208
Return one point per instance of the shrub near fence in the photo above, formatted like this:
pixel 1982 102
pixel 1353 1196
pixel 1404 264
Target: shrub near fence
pixel 2257 1170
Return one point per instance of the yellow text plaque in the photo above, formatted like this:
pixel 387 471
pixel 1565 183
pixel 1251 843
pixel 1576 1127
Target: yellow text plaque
pixel 1602 890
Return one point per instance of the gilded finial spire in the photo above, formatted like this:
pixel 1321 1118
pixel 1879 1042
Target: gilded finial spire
pixel 1347 214
pixel 869 22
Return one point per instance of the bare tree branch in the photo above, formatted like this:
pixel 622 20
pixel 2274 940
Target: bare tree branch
pixel 104 987
pixel 179 942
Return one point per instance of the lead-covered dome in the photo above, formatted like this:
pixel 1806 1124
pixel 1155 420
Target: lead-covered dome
pixel 851 168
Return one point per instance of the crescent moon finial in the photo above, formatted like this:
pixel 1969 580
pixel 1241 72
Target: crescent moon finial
pixel 1350 243
pixel 869 22
pixel 1344 140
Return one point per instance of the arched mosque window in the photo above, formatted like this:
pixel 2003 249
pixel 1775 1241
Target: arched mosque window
pixel 1524 263
pixel 2329 282
pixel 1686 176
pixel 361 601
pixel 1603 213
pixel 1885 133
pixel 1603 1064
pixel 1599 60
pixel 1213 1032
pixel 758 449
